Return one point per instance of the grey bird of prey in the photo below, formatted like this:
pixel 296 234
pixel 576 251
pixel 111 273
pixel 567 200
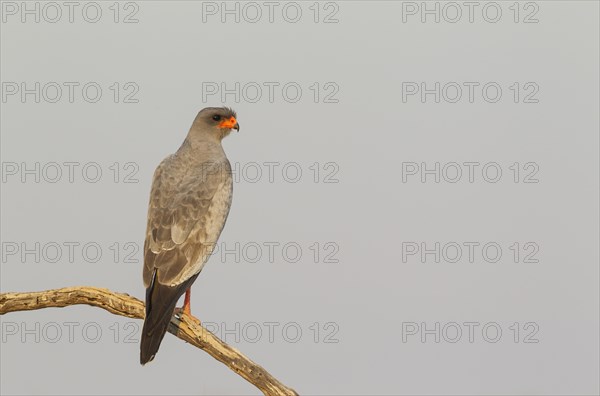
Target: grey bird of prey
pixel 189 203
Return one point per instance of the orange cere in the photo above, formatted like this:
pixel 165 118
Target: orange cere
pixel 229 123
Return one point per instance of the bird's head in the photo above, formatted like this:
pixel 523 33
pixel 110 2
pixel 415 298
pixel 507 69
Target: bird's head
pixel 216 121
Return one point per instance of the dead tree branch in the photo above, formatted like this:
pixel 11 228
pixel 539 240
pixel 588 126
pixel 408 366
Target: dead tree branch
pixel 188 328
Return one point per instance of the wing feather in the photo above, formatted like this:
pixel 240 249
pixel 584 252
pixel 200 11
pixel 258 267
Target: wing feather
pixel 187 210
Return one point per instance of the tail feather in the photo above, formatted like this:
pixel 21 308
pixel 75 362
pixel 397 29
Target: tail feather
pixel 160 304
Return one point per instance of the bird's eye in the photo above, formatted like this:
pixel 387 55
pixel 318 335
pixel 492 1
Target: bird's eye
pixel 217 117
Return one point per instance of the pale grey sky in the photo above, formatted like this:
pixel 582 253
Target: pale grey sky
pixel 351 183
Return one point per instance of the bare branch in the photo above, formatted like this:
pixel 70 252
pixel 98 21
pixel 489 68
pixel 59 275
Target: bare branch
pixel 185 327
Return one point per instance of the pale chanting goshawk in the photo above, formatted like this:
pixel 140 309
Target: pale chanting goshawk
pixel 189 203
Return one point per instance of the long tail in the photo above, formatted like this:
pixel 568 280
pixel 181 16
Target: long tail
pixel 160 304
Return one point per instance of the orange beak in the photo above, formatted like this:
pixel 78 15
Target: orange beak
pixel 231 123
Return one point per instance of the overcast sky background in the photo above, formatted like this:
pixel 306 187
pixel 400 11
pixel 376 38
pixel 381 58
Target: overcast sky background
pixel 352 306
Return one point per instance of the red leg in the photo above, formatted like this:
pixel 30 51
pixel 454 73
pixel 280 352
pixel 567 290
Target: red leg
pixel 186 302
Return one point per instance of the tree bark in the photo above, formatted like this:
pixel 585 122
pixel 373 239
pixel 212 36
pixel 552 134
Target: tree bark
pixel 183 326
